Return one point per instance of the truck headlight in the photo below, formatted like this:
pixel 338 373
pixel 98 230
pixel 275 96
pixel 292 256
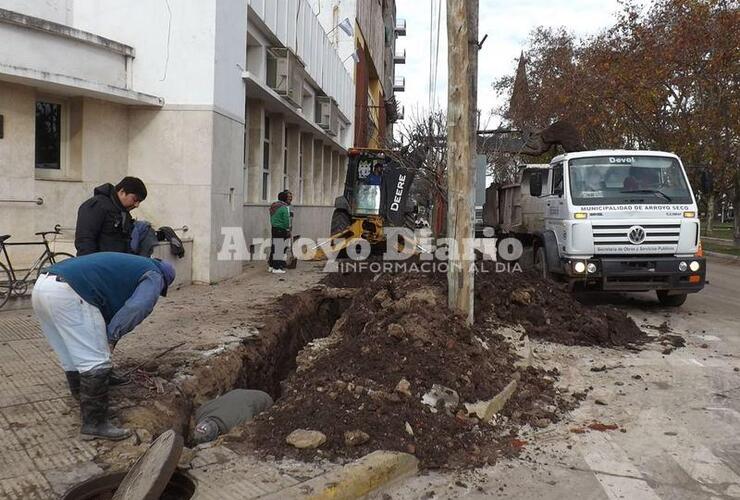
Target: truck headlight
pixel 694 266
pixel 579 267
pixel 591 267
pixel 682 266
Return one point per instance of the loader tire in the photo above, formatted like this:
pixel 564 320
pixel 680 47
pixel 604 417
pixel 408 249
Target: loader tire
pixel 340 220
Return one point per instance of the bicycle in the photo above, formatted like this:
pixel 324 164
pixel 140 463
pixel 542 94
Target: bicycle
pixel 9 282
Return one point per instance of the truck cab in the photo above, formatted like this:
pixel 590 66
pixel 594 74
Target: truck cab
pixel 618 220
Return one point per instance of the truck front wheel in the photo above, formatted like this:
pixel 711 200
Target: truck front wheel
pixel 671 300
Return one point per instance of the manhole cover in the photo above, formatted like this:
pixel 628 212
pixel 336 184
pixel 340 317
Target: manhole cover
pixel 149 476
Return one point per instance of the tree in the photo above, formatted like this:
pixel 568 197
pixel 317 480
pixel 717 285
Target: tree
pixel 666 78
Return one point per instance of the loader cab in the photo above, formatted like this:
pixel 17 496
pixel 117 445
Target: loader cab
pixel 363 182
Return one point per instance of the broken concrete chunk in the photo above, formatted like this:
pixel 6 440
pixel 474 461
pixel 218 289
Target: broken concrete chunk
pixel 395 330
pixel 305 439
pixel 439 393
pixel 485 410
pixel 404 387
pixel 522 296
pixel 356 438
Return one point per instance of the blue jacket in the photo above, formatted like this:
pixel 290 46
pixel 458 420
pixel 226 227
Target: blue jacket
pixel 124 287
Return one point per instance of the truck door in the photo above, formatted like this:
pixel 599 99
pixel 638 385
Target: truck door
pixel 556 210
pixel 555 203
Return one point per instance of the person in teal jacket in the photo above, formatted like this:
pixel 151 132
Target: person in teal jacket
pixel 280 234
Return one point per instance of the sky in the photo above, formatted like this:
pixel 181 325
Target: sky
pixel 508 25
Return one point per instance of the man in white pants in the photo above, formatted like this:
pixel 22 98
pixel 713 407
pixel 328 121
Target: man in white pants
pixel 85 305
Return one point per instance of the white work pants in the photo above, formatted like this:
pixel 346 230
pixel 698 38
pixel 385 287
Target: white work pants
pixel 75 329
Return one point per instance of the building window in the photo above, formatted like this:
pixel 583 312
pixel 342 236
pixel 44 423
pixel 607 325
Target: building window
pixel 266 161
pixel 285 159
pixel 50 135
pixel 299 195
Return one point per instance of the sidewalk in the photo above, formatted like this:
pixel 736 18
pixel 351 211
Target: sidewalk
pixel 40 454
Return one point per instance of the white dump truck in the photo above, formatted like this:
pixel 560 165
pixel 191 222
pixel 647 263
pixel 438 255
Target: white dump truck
pixel 606 220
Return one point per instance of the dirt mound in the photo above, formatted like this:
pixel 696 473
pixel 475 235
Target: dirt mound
pixel 550 312
pixel 363 386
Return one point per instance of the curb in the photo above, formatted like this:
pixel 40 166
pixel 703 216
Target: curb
pixel 720 255
pixel 354 480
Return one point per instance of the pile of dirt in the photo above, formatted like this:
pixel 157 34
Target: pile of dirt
pixel 548 311
pixel 363 386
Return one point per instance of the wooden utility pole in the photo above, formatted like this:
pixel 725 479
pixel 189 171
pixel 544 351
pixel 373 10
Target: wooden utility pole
pixel 462 63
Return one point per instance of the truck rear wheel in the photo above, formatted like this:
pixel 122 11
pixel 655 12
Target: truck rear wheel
pixel 340 220
pixel 671 300
pixel 540 263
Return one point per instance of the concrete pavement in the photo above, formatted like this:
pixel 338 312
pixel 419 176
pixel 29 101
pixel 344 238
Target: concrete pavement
pixel 680 414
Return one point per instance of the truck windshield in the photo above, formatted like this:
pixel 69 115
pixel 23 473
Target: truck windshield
pixel 627 179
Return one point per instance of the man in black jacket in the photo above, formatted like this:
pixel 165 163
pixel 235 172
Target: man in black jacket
pixel 103 222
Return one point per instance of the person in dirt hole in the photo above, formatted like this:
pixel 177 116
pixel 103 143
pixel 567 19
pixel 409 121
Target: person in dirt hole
pixel 85 305
pixel 280 222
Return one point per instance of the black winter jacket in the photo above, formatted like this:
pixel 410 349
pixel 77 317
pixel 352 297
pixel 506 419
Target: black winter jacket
pixel 103 225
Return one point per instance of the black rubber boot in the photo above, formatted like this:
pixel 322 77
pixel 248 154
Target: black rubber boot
pixel 94 407
pixel 73 380
pixel 118 379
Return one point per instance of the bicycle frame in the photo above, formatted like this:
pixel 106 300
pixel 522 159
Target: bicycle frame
pixel 36 263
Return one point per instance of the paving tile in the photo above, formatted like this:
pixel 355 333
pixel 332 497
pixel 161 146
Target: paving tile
pixel 10 395
pixel 61 453
pixel 8 439
pixel 30 486
pixel 19 329
pixel 15 463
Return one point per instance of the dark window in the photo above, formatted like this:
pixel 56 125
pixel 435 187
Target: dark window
pixel 266 156
pixel 48 135
pixel 557 179
pixel 265 182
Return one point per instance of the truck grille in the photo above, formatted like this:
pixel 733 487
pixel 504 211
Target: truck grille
pixel 619 234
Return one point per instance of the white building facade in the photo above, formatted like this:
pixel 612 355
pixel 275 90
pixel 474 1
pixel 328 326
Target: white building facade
pixel 181 94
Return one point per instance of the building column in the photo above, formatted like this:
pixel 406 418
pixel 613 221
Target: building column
pixel 318 172
pixel 342 173
pixel 256 123
pixel 277 155
pixel 307 141
pixel 293 138
pixel 328 160
pixel 335 181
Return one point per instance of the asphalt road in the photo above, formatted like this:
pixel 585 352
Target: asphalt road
pixel 679 414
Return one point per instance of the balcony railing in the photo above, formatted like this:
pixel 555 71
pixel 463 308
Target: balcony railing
pixel 399 57
pixel 400 27
pixel 399 84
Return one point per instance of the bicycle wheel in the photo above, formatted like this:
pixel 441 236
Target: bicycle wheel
pixel 53 259
pixel 6 284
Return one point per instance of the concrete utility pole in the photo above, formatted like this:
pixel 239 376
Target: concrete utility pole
pixel 462 62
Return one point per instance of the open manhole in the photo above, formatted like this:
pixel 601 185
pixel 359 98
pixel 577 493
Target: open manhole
pixel 152 477
pixel 180 487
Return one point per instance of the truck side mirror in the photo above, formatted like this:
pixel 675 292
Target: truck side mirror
pixel 707 181
pixel 535 184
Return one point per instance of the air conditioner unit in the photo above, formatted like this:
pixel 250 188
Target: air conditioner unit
pixel 285 74
pixel 327 115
